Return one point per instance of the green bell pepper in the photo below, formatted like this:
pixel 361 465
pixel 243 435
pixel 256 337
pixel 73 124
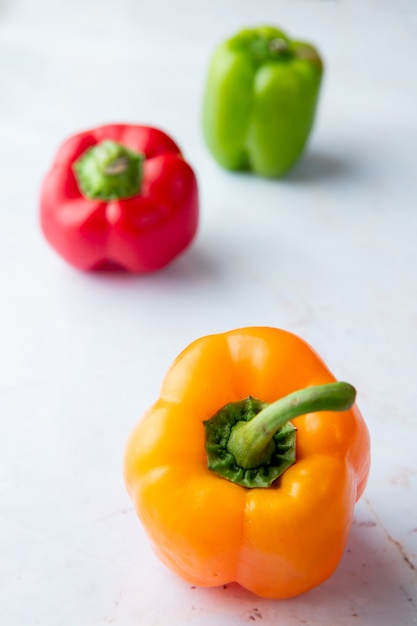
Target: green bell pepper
pixel 260 101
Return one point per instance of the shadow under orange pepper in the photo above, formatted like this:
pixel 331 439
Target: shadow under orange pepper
pixel 242 472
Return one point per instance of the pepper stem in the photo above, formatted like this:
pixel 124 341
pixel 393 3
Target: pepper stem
pixel 109 171
pixel 278 45
pixel 251 442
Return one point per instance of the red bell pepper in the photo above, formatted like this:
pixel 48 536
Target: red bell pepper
pixel 119 196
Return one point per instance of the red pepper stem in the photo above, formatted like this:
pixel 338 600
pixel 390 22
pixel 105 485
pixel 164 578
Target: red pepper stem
pixel 109 171
pixel 251 443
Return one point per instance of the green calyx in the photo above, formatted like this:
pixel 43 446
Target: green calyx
pixel 251 443
pixel 273 48
pixel 109 171
pixel 268 44
pixel 280 452
pixel 264 44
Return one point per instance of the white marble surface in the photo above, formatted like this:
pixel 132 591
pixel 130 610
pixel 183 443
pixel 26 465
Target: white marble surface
pixel 329 253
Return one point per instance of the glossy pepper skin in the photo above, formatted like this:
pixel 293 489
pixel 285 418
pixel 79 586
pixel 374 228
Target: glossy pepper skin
pixel 278 541
pixel 260 101
pixel 119 195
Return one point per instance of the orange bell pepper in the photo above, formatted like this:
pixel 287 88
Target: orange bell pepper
pixel 279 540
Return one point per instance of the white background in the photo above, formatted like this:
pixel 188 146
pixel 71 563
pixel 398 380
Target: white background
pixel 329 253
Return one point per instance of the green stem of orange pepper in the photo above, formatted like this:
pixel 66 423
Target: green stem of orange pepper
pixel 252 443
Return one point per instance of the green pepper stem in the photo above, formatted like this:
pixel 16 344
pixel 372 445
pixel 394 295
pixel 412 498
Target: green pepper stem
pixel 109 171
pixel 278 45
pixel 251 443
